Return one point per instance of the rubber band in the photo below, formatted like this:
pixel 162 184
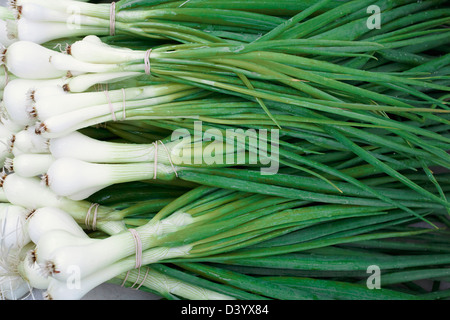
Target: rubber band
pixel 155 144
pixel 147 62
pixel 143 281
pixel 99 87
pixel 88 216
pixel 111 108
pixel 112 19
pixel 137 278
pixel 125 279
pixel 170 158
pixel 138 243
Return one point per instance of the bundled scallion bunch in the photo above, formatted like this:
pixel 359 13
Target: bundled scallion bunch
pixel 214 150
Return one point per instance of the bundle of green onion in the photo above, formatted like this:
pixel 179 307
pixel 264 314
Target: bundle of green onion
pixel 225 150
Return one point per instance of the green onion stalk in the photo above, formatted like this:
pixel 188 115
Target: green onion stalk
pixel 100 213
pixel 142 20
pixel 226 163
pixel 201 21
pixel 302 233
pixel 194 160
pixel 326 262
pixel 206 224
pixel 329 126
pixel 337 128
pixel 247 75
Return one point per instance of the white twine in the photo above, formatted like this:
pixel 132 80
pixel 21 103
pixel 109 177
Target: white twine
pixel 156 159
pixel 143 281
pixel 138 244
pixel 170 158
pixel 111 107
pixel 88 216
pixel 137 279
pixel 125 279
pixel 147 61
pixel 112 19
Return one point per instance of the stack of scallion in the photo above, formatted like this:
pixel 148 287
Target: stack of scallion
pixel 216 150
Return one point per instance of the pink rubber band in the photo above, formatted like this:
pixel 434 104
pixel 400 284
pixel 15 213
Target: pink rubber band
pixel 156 159
pixel 147 62
pixel 125 280
pixel 138 243
pixel 143 281
pixel 170 159
pixel 137 278
pixel 88 216
pixel 110 106
pixel 112 19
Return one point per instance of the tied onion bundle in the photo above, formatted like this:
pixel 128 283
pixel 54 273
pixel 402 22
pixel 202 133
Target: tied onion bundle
pixel 226 151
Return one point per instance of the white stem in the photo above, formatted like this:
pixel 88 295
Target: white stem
pixel 67 63
pixel 5 132
pixel 30 164
pixel 79 146
pixel 76 145
pixel 90 257
pixel 48 106
pixel 27 141
pixel 32 273
pixel 64 123
pixel 39 12
pixel 29 60
pixel 13 231
pixel 3 196
pixel 91 49
pixel 6 13
pixel 165 284
pixel 75 120
pixel 67 176
pixel 83 82
pixel 39 195
pixel 52 240
pixel 41 32
pixel 6 120
pixel 6 38
pixel 46 219
pixel 18 97
pixel 71 6
pixel 59 290
pixel 5 150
